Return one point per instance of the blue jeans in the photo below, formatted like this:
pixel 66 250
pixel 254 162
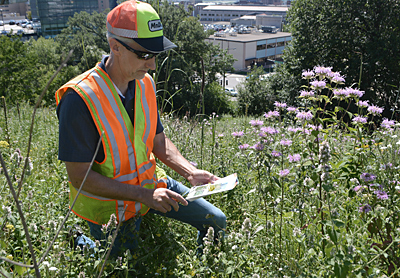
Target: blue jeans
pixel 198 213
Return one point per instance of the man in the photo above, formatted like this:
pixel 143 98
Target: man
pixel 117 99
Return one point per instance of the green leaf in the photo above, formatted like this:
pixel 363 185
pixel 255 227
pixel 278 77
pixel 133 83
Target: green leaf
pixel 338 223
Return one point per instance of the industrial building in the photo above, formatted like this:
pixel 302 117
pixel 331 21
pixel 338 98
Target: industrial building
pixel 256 48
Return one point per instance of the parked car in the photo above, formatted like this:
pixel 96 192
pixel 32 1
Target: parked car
pixel 23 21
pixel 1 22
pixel 20 32
pixel 231 92
pixel 12 22
pixel 3 32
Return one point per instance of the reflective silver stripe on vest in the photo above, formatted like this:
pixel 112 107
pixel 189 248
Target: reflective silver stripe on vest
pixel 121 210
pixel 87 194
pixel 146 111
pixel 145 167
pixel 117 112
pixel 122 32
pixel 127 177
pixel 144 182
pixel 138 207
pixel 112 140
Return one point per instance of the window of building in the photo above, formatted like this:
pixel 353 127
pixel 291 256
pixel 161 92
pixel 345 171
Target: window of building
pixel 261 46
pixel 278 44
pixel 271 45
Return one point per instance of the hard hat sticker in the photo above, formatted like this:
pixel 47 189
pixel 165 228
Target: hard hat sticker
pixel 155 25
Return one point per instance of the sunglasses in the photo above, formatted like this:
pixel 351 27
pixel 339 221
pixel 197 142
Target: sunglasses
pixel 140 54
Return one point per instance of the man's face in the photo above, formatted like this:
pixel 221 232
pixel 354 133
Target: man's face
pixel 133 67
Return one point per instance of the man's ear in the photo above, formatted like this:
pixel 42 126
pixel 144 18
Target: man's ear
pixel 115 47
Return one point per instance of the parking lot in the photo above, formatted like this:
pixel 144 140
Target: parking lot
pixel 14 29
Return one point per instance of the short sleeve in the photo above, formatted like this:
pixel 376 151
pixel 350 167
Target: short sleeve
pixel 78 135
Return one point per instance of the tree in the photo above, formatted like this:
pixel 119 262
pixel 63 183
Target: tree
pixel 179 71
pixel 254 98
pixel 359 38
pixel 86 35
pixel 48 57
pixel 17 70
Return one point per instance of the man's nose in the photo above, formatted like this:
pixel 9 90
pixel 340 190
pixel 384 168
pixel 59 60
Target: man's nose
pixel 151 63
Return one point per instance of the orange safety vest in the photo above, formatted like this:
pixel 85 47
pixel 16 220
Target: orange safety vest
pixel 127 148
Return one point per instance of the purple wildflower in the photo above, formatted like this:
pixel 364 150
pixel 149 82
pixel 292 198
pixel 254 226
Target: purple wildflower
pixel 307 94
pixel 271 114
pixel 382 195
pixel 363 104
pixel 354 93
pixel 269 130
pixel 284 172
pixel 314 127
pixel 262 134
pixel 280 104
pixel 304 116
pixel 308 74
pixel 375 110
pixel 286 142
pixel 367 177
pixel 256 123
pixel 294 129
pixel 258 147
pixel 359 120
pixel 340 94
pixel 387 123
pixel 358 188
pixel 294 158
pixel 193 163
pixel 292 109
pixel 365 208
pixel 323 70
pixel 336 77
pixel 244 147
pixel 276 154
pixel 237 134
pixel 318 84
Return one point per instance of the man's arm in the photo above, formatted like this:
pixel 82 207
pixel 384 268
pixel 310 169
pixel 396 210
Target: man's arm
pixel 160 199
pixel 167 152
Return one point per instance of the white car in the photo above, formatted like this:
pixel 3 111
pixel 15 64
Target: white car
pixel 231 92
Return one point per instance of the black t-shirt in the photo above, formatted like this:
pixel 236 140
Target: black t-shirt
pixel 78 135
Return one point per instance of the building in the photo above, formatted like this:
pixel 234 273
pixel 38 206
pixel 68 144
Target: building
pixel 54 14
pixel 216 13
pixel 259 21
pixel 15 10
pixel 256 48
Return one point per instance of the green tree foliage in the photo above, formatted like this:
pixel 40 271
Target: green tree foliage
pixel 359 38
pixel 17 70
pixel 254 97
pixel 49 58
pixel 86 35
pixel 179 71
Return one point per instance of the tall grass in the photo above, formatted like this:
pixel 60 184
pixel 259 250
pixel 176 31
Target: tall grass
pixel 317 198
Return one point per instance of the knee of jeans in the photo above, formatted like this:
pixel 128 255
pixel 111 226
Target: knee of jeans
pixel 219 220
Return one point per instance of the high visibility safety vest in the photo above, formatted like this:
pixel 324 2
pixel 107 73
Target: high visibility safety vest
pixel 127 148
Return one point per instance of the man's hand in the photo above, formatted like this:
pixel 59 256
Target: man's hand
pixel 199 177
pixel 163 200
